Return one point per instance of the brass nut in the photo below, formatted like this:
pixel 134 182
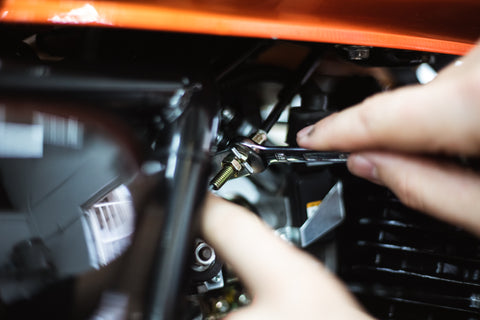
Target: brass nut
pixel 236 165
pixel 260 137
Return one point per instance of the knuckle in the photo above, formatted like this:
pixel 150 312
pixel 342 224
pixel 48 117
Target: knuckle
pixel 366 121
pixel 407 192
pixel 467 89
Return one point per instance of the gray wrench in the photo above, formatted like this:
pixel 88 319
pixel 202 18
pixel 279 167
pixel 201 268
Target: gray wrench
pixel 260 157
pixel 247 157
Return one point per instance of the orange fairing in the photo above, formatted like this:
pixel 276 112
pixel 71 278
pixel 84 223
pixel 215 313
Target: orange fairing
pixel 446 26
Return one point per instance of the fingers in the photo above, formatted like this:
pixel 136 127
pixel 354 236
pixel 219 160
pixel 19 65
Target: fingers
pixel 279 276
pixel 256 254
pixel 228 229
pixel 465 65
pixel 442 116
pixel 444 190
pixel 414 119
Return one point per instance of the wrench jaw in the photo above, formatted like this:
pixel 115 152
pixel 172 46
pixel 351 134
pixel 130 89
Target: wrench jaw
pixel 254 161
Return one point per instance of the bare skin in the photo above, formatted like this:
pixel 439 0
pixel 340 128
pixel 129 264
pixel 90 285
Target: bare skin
pixel 392 137
pixel 285 282
pixel 391 134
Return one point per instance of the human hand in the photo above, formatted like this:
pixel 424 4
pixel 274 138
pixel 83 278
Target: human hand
pixel 285 282
pixel 389 135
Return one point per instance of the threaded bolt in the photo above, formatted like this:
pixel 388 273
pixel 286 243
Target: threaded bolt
pixel 223 176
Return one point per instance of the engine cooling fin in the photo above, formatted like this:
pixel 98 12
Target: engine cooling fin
pixel 402 264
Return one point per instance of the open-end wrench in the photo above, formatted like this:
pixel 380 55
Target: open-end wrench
pixel 247 157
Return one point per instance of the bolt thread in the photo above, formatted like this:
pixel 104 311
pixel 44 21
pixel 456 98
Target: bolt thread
pixel 223 176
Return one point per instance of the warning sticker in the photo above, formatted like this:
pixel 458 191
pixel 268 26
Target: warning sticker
pixel 312 208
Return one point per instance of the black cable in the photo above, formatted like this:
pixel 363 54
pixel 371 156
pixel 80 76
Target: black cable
pixel 285 96
pixel 244 56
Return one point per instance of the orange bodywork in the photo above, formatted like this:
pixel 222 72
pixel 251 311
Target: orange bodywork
pixel 444 26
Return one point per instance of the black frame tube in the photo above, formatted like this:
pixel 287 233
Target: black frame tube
pixel 186 180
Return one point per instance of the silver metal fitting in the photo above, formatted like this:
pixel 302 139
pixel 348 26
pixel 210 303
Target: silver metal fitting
pixel 204 256
pixel 358 53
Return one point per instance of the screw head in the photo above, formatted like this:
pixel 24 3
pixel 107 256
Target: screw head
pixel 205 253
pixel 227 115
pixel 222 306
pixel 216 279
pixel 243 299
pixel 359 53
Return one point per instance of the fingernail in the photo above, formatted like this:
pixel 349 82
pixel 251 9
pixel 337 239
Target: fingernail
pixel 363 167
pixel 305 132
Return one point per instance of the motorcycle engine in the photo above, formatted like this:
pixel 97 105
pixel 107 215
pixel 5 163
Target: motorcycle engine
pixel 401 264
